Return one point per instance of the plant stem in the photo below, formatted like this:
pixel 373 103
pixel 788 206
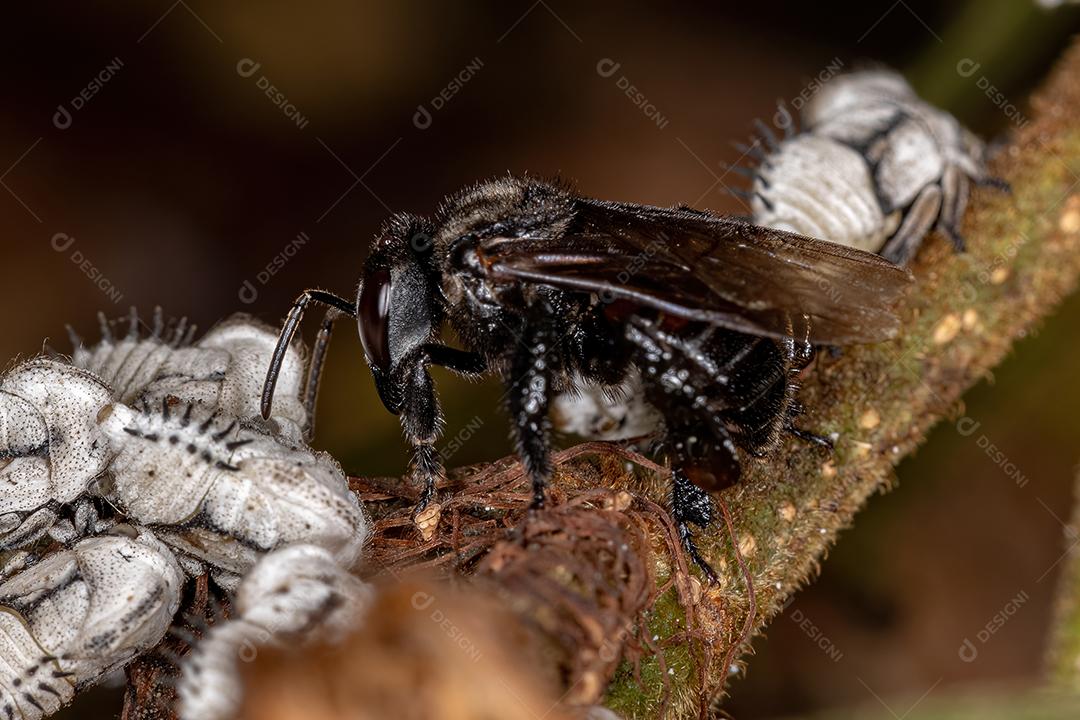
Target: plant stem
pixel 1023 257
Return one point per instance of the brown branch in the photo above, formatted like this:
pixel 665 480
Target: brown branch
pixel 599 573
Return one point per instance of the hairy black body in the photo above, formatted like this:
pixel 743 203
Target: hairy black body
pixel 542 286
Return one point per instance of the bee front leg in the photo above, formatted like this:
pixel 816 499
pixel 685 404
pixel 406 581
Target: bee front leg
pixel 421 420
pixel 528 394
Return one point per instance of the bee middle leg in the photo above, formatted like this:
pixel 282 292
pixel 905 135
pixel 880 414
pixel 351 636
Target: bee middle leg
pixel 528 394
pixel 795 409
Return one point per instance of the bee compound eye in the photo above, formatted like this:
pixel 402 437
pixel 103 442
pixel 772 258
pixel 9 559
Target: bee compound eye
pixel 373 316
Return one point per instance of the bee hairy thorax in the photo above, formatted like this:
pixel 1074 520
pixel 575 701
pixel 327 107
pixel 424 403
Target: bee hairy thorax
pixel 491 321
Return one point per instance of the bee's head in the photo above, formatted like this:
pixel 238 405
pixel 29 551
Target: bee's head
pixel 399 304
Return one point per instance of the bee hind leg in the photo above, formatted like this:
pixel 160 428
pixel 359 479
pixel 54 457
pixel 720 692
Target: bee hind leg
pixel 691 504
pixel 811 437
pixel 795 410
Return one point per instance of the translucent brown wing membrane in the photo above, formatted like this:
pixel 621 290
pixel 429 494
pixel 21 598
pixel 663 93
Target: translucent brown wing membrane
pixel 719 270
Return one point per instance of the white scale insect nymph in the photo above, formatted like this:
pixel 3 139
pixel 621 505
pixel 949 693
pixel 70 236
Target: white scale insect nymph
pixel 876 168
pixel 225 493
pixel 792 193
pixel 223 370
pixel 164 435
pixel 50 448
pixel 80 614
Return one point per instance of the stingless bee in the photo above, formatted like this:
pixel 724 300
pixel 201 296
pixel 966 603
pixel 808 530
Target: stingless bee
pixel 548 289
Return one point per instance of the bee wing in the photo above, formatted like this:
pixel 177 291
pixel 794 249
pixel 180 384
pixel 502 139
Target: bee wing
pixel 719 270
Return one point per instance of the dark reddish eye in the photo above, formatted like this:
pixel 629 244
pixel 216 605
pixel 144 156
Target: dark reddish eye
pixel 373 313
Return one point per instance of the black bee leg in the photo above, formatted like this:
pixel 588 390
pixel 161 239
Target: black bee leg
pixel 810 437
pixel 421 420
pixel 460 361
pixel 527 397
pixel 426 465
pixel 794 411
pixel 691 504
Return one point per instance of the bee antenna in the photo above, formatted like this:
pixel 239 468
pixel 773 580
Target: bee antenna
pixel 288 330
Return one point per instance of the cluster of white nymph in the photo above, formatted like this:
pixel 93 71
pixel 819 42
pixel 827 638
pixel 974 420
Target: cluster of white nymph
pixel 875 167
pixel 142 461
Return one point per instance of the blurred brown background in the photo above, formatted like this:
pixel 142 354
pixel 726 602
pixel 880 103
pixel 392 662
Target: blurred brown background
pixel 146 164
